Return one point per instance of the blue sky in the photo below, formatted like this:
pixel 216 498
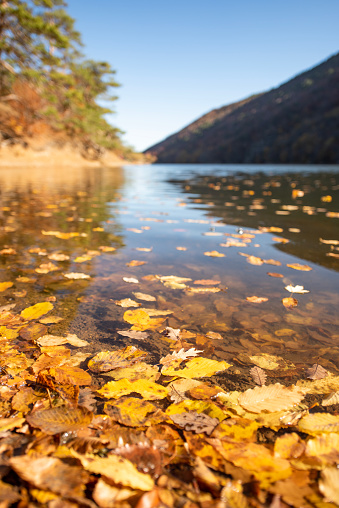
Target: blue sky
pixel 178 59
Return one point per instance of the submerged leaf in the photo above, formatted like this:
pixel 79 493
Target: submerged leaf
pixel 36 311
pixel 316 372
pixel 110 360
pixel 258 375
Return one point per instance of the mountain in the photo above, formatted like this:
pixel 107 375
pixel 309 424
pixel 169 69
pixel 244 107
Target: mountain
pixel 298 122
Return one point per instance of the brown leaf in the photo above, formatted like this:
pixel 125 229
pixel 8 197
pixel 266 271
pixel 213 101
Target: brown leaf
pixel 316 372
pixel 258 375
pixel 135 262
pixel 133 334
pixel 50 473
pixel 60 419
pixel 289 302
pixel 196 422
pixel 275 274
pixel 110 360
pixel 87 399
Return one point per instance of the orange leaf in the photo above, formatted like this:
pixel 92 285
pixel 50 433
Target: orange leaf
pixel 60 419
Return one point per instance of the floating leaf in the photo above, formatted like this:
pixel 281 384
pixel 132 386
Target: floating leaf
pixel 258 375
pixel 316 372
pixel 270 398
pixel 75 341
pixel 138 318
pixel 298 266
pixel 36 311
pixel 254 260
pixel 197 367
pixel 214 254
pixel 60 419
pixel 51 340
pixel 110 360
pixel 147 389
pixel 135 262
pixel 195 422
pixel 130 280
pixel 296 289
pixel 117 469
pixel 207 282
pixel 275 274
pixel 172 359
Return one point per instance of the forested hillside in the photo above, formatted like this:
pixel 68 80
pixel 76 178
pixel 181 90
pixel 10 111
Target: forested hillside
pixel 48 87
pixel 298 122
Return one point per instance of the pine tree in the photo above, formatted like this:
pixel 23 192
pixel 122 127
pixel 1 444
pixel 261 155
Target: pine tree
pixel 39 44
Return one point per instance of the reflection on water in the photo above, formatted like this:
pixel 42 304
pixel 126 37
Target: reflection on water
pixel 215 226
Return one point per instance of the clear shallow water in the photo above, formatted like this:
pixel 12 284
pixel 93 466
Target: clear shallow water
pixel 195 209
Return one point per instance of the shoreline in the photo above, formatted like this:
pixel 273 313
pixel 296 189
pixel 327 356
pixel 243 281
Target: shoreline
pixel 17 156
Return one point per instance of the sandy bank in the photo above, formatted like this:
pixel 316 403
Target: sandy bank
pixel 52 156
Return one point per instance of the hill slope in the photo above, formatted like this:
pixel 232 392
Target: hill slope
pixel 298 122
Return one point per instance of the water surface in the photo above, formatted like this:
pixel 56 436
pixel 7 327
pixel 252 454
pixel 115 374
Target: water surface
pixel 272 216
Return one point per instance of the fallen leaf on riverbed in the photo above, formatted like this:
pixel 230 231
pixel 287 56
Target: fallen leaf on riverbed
pixel 76 276
pixel 127 302
pixel 133 334
pixel 333 398
pixel 316 372
pixel 60 419
pixel 258 375
pixel 135 262
pixel 5 285
pixel 145 297
pixel 256 299
pixel 110 360
pixel 36 311
pixel 289 302
pixel 147 389
pixel 130 280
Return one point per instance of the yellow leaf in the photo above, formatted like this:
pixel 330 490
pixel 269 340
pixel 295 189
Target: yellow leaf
pixel 127 302
pixel 328 485
pixel 60 419
pixel 265 361
pixel 289 302
pixel 325 447
pixel 37 310
pixel 326 385
pixel 298 266
pixel 130 411
pixel 118 469
pixel 207 407
pixel 5 285
pixel 147 389
pixel 237 429
pixel 214 254
pixel 42 496
pixel 288 446
pixel 197 367
pixel 70 375
pixel 10 423
pixel 82 259
pixel 139 318
pixel 270 398
pixel 140 370
pixel 318 423
pixel 110 360
pixel 207 452
pixel 8 333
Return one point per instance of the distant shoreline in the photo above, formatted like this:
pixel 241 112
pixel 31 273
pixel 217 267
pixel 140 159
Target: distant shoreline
pixel 17 156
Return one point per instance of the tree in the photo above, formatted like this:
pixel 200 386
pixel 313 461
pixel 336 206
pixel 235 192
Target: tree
pixel 39 44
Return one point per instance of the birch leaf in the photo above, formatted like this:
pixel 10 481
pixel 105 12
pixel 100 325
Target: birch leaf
pixel 332 399
pixel 258 375
pixel 316 372
pixel 270 398
pixel 318 423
